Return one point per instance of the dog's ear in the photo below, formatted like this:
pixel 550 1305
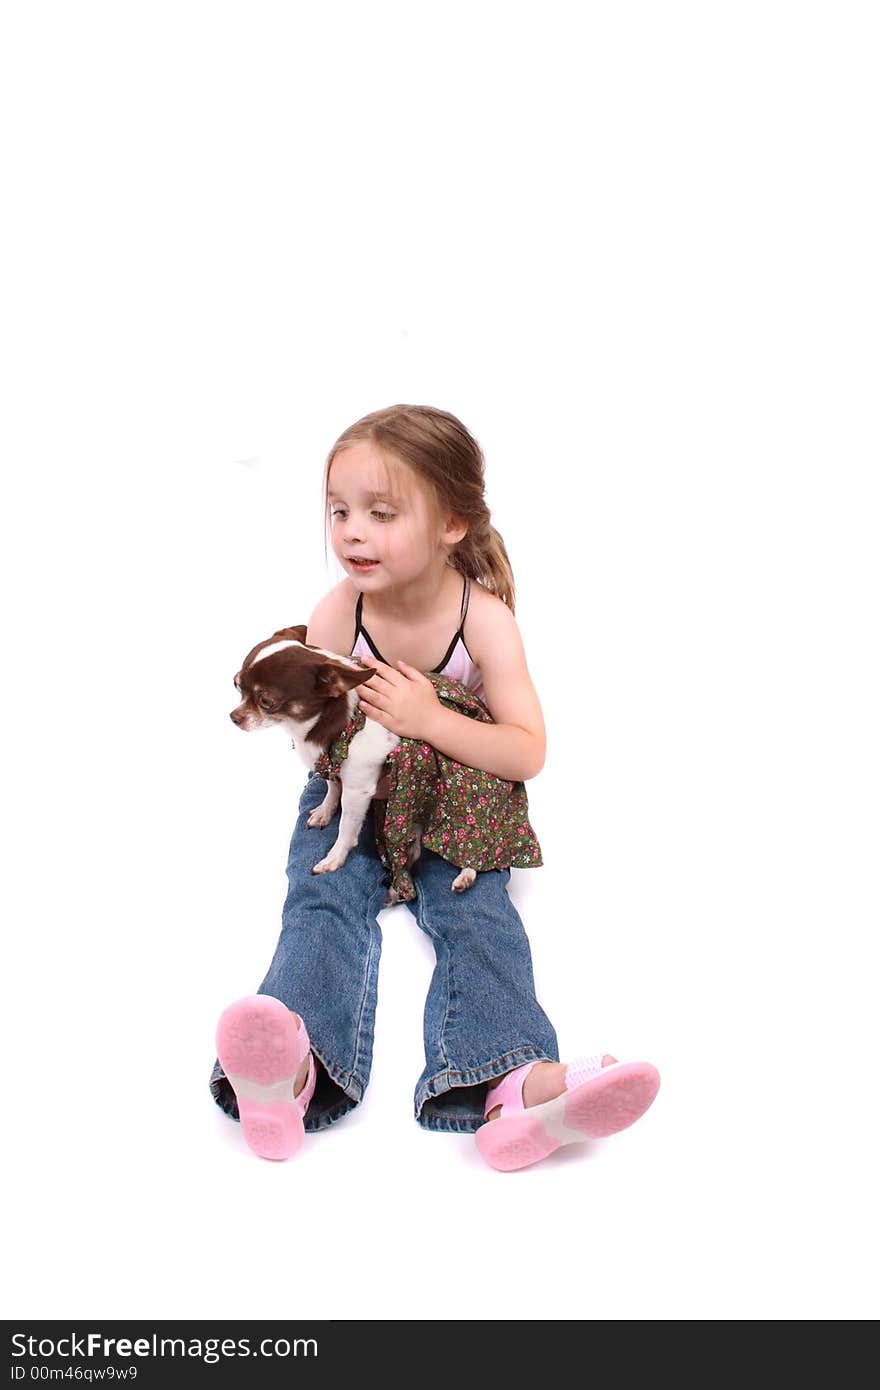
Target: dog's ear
pixel 337 678
pixel 295 634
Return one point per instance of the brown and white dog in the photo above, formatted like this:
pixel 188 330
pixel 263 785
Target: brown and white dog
pixel 312 694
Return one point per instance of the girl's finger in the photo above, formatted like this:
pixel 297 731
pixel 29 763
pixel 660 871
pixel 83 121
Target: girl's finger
pixel 412 673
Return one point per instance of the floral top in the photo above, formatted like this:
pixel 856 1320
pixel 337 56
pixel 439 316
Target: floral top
pixel 472 819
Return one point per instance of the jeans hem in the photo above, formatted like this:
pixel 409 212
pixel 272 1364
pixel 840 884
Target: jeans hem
pixel 351 1086
pixel 449 1080
pixel 353 1093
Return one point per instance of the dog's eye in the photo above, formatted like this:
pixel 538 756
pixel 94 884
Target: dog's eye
pixel 267 703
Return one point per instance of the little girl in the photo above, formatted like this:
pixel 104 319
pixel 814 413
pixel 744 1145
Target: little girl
pixel 427 577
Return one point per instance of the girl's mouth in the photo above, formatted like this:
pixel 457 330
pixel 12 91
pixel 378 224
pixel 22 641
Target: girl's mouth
pixel 362 564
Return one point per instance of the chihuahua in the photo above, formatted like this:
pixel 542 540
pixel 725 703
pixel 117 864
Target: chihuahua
pixel 312 695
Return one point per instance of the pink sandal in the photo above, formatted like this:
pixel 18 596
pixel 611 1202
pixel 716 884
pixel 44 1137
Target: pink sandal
pixel 261 1049
pixel 597 1101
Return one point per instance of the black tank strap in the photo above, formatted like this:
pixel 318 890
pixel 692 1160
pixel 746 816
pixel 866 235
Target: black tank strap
pixel 464 602
pixel 360 630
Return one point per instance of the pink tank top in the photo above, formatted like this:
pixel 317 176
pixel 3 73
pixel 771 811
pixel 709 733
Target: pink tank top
pixel 456 663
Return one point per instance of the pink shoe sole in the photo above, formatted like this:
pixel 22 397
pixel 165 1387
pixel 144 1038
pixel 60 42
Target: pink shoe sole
pixel 261 1049
pixel 608 1102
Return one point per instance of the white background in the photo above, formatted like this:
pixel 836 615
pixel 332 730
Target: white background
pixel 634 248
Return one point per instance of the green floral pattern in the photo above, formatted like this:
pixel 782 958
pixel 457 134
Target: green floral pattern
pixel 470 818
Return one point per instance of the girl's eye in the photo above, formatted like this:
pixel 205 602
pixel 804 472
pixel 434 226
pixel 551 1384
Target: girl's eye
pixel 379 516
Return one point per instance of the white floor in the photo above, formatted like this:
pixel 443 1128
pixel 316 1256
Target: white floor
pixel 660 325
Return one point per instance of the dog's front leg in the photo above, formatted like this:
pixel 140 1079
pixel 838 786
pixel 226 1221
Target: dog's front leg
pixel 354 809
pixel 323 814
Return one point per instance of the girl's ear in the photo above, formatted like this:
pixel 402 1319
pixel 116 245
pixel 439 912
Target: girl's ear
pixel 455 530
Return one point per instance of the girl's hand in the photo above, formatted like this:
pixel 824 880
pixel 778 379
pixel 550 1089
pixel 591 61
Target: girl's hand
pixel 400 699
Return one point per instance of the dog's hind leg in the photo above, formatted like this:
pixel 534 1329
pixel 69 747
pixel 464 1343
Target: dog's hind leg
pixel 465 880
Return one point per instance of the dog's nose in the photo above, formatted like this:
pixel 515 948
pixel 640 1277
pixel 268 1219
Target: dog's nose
pixel 236 716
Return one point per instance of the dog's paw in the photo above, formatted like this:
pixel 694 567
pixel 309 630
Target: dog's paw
pixel 464 880
pixel 332 861
pixel 320 817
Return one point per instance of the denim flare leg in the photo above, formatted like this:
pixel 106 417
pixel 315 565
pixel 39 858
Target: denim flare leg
pixel 481 1014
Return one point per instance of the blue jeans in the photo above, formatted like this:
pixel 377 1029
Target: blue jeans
pixel 481 1015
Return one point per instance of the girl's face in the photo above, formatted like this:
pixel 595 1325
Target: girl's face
pixel 384 529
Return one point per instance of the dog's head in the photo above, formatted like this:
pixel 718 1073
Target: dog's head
pixel 283 681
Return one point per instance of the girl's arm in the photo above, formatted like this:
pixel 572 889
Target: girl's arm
pixel 513 747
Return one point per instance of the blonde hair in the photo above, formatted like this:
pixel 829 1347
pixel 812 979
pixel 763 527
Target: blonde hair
pixel 446 457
